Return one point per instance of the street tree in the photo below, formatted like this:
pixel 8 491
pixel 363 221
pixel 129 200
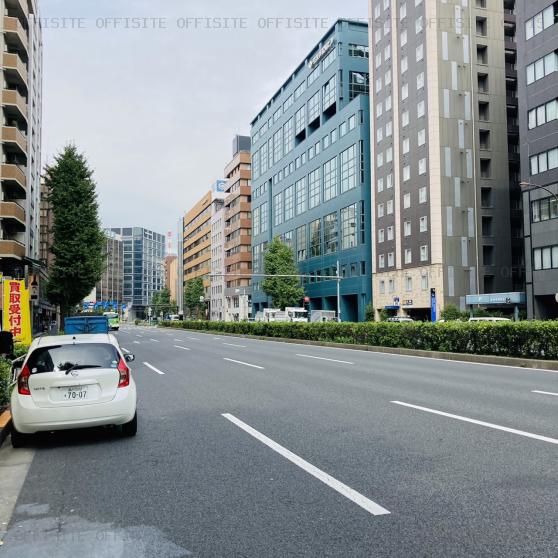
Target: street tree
pixel 78 240
pixel 194 297
pixel 161 302
pixel 279 260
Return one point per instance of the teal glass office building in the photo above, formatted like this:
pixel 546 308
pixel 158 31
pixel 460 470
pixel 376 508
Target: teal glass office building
pixel 311 173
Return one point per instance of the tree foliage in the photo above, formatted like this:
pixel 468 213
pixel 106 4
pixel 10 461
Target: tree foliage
pixel 78 240
pixel 279 260
pixel 161 302
pixel 193 293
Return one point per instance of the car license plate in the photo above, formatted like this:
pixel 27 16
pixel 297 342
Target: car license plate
pixel 75 393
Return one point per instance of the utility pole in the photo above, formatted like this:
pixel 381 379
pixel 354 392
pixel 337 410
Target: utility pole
pixel 338 292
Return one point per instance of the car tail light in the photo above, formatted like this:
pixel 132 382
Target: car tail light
pixel 124 374
pixel 23 381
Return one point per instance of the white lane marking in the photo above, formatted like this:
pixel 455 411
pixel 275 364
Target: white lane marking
pixel 137 342
pixel 481 423
pixel 244 363
pixel 154 340
pixel 338 486
pixel 139 335
pixel 153 368
pixel 193 338
pixel 179 340
pixel 545 392
pixel 125 350
pixel 329 359
pixel 183 348
pixel 233 345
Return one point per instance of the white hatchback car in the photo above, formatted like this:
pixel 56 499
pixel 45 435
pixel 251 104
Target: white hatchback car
pixel 73 381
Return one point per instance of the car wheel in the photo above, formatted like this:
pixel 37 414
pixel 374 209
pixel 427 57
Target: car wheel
pixel 130 428
pixel 18 439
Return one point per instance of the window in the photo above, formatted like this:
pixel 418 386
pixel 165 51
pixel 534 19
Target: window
pixel 391 259
pixel 264 217
pixel 315 238
pixel 404 91
pixel 421 137
pixel 329 94
pixel 543 114
pixel 407 228
pixel 352 122
pixel 330 233
pixel 390 233
pixel 314 188
pixel 380 210
pixel 358 51
pixel 482 83
pixel 408 284
pixel 378 60
pixel 404 64
pixel 379 159
pixel 424 253
pixel 391 285
pixel 484 112
pixel 379 134
pixel 348 227
pixel 542 67
pixel 541 21
pixel 349 169
pixel 422 166
pixel 406 200
pixel 382 287
pixel 406 146
pixel 381 261
pixel 419 24
pixel 289 203
pixel 420 109
pixel 486 168
pixel 545 161
pixel 379 109
pixel 389 154
pixel 380 185
pixel 482 54
pixel 314 107
pixel 300 120
pixel 343 129
pixel 301 196
pixel 330 179
pixel 405 118
pixel 424 282
pixel 389 207
pixel 314 75
pixel 288 103
pixel 288 136
pixel 389 129
pixel 420 52
pixel 381 235
pixel 359 84
pixel 329 59
pixel 406 173
pixel 420 80
pixel 403 37
pixel 277 145
pixel 278 210
pixel 256 221
pixel 544 209
pixel 481 26
pixel 388 103
pixel 546 258
pixel 484 139
pixel 301 243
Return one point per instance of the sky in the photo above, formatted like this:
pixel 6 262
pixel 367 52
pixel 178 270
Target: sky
pixel 154 91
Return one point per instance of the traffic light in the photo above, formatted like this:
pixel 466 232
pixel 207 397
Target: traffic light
pixel 432 293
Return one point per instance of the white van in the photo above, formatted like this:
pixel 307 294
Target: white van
pixel 489 319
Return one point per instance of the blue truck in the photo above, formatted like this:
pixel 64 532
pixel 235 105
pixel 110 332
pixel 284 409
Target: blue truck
pixel 86 324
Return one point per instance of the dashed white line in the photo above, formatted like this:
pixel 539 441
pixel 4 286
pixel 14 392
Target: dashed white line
pixel 154 340
pixel 329 359
pixel 125 350
pixel 183 348
pixel 193 338
pixel 245 363
pixel 233 345
pixel 179 340
pixel 481 423
pixel 545 392
pixel 137 342
pixel 154 369
pixel 338 486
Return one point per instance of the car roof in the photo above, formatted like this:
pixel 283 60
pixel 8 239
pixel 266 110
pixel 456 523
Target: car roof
pixel 50 340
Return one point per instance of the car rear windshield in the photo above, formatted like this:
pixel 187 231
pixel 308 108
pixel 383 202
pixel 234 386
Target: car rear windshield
pixel 64 357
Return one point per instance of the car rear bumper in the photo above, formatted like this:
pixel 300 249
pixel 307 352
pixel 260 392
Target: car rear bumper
pixel 29 419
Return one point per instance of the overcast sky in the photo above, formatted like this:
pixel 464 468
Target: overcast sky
pixel 155 108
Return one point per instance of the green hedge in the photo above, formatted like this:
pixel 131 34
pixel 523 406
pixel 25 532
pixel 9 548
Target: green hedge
pixel 5 380
pixel 527 339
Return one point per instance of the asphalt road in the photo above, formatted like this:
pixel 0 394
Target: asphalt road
pixel 261 449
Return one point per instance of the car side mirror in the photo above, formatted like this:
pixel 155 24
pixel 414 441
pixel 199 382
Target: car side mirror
pixel 129 357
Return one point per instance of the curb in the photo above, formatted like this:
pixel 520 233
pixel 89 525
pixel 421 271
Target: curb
pixel 5 425
pixel 543 365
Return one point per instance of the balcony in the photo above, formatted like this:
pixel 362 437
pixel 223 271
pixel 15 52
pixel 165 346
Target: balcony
pixel 14 139
pixel 15 33
pixel 15 105
pixel 18 5
pixel 15 69
pixel 12 249
pixel 14 178
pixel 13 212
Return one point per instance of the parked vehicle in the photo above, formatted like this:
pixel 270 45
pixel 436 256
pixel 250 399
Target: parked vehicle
pixel 86 324
pixel 400 319
pixel 489 319
pixel 293 314
pixel 323 316
pixel 73 381
pixel 290 314
pixel 113 320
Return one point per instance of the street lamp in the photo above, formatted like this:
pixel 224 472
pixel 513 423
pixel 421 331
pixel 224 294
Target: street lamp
pixel 532 186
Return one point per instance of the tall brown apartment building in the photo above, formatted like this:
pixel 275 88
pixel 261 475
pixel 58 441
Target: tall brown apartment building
pixel 196 245
pixel 21 136
pixel 238 231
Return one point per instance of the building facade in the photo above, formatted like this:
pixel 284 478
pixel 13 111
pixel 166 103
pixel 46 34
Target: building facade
pixel 217 281
pixel 110 288
pixel 311 173
pixel 144 268
pixel 537 37
pixel 46 221
pixel 20 172
pixel 171 275
pixel 238 232
pixel 196 236
pixel 441 171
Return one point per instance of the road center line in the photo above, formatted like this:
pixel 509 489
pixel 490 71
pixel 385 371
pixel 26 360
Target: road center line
pixel 233 345
pixel 545 392
pixel 153 368
pixel 329 359
pixel 481 423
pixel 183 348
pixel 338 486
pixel 245 363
